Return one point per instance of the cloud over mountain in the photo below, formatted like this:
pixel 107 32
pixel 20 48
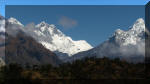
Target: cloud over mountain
pixel 67 22
pixel 127 45
pixel 50 37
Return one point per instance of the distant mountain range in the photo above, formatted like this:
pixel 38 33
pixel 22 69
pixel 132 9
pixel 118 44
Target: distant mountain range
pixel 127 45
pixel 53 39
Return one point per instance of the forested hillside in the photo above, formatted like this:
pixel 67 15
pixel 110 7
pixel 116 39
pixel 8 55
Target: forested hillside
pixel 89 68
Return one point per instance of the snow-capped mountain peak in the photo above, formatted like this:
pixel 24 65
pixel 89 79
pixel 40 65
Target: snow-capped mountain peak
pixel 47 29
pixel 42 24
pixel 14 21
pixel 140 20
pixel 132 36
pixel 127 45
pixel 50 37
pixel 139 26
pixel 53 39
pixel 57 41
pixel 45 25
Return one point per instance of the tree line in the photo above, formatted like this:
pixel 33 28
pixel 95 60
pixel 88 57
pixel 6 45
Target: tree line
pixel 89 68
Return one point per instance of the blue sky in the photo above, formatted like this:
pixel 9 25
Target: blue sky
pixel 91 23
pixel 69 2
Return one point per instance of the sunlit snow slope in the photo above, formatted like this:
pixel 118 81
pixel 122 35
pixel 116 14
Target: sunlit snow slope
pixel 53 39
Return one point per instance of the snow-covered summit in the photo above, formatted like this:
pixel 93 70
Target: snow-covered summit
pixel 133 35
pixel 52 38
pixel 127 45
pixel 55 40
pixel 47 29
pixel 14 21
pixel 42 24
pixel 139 26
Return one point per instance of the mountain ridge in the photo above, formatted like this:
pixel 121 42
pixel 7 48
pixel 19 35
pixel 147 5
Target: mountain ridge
pixel 18 47
pixel 122 42
pixel 127 45
pixel 53 39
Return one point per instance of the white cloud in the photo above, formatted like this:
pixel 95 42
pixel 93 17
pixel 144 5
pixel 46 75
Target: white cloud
pixel 67 22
